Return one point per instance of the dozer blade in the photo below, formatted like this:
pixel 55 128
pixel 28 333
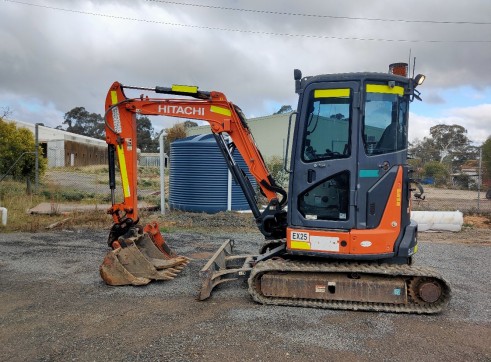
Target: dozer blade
pixel 138 261
pixel 223 267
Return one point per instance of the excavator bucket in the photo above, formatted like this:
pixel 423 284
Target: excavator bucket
pixel 142 256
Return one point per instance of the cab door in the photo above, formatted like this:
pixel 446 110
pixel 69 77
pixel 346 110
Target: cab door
pixel 382 151
pixel 324 177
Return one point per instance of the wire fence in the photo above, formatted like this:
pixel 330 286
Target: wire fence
pixel 447 199
pixel 89 186
pixel 92 183
pixel 63 189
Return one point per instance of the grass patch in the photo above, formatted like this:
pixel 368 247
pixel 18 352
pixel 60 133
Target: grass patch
pixel 66 195
pixel 13 196
pixel 93 169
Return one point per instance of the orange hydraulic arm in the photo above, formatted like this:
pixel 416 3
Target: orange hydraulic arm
pixel 223 116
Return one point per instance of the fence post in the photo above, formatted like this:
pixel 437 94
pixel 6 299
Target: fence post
pixel 28 186
pixel 162 173
pixel 479 181
pixel 36 152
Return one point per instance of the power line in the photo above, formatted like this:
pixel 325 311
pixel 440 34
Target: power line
pixel 322 16
pixel 244 31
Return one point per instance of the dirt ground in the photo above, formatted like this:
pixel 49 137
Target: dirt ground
pixel 54 307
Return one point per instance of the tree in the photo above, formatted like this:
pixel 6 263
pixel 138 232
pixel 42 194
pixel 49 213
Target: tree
pixel 145 135
pixel 189 124
pixel 275 167
pixel 177 131
pixel 452 143
pixel 284 109
pixel 338 116
pixel 13 143
pixel 5 113
pixel 80 121
pixel 447 144
pixel 437 171
pixel 424 150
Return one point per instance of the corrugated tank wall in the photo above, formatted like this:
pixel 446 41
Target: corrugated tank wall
pixel 199 177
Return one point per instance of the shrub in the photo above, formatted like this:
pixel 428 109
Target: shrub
pixel 275 167
pixel 438 171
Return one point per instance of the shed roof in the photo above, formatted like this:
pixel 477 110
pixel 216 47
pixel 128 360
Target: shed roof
pixel 51 134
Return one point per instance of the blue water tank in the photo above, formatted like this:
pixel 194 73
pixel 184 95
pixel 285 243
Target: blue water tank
pixel 199 177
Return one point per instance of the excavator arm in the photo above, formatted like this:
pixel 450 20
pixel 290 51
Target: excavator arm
pixel 140 254
pixel 223 117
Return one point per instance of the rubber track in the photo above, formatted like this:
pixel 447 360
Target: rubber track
pixel 395 270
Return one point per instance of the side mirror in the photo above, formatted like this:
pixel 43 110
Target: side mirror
pixel 297 75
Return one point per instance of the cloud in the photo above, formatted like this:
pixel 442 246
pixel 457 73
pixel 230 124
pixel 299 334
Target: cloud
pixel 480 113
pixel 476 120
pixel 66 59
pixel 433 97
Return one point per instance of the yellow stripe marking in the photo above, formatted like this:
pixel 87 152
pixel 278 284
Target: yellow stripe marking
pixel 114 97
pixel 300 245
pixel 184 88
pixel 332 93
pixel 123 171
pixel 221 110
pixel 378 88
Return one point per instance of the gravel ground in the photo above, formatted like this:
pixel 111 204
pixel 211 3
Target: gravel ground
pixel 54 307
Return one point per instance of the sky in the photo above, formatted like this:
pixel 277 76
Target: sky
pixel 57 55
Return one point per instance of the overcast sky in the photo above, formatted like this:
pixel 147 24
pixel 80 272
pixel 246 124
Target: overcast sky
pixel 57 55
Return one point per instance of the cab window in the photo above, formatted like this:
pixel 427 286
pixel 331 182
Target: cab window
pixel 385 121
pixel 327 129
pixel 328 200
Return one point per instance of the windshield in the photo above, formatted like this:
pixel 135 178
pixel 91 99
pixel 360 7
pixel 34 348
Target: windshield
pixel 328 125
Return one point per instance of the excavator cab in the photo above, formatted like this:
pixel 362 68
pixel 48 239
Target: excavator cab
pixel 349 239
pixel 349 179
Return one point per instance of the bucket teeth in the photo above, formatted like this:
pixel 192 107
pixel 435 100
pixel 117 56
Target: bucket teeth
pixel 171 263
pixel 139 262
pixel 114 273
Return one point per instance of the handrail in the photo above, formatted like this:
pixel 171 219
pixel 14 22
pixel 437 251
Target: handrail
pixel 285 162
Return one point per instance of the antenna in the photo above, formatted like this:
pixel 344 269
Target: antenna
pixel 414 65
pixel 409 62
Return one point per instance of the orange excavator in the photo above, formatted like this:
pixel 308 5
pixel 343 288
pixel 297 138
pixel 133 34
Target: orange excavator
pixel 342 239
